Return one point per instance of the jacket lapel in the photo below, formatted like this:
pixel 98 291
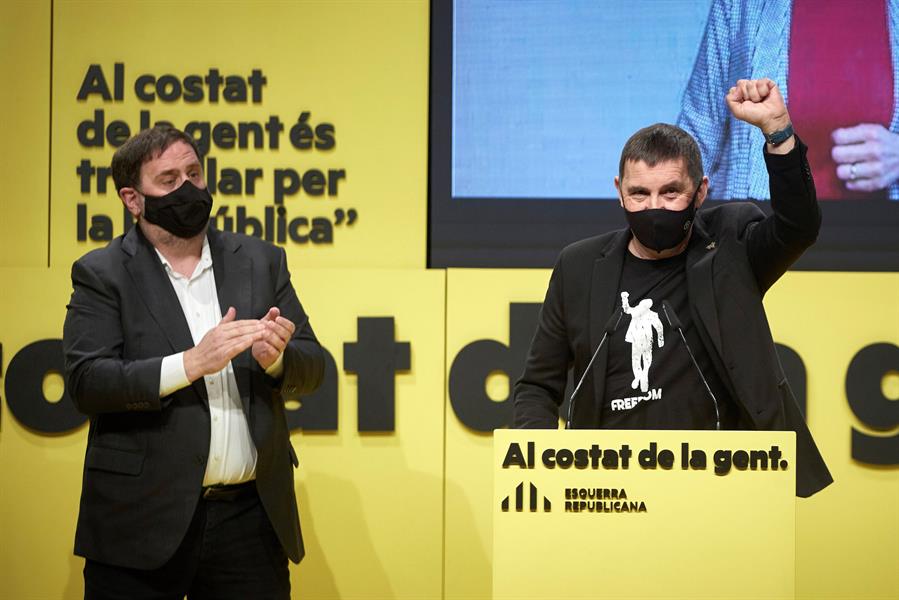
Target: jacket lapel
pixel 603 301
pixel 233 282
pixel 155 290
pixel 700 289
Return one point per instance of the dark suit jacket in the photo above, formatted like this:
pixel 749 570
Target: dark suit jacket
pixel 736 256
pixel 146 455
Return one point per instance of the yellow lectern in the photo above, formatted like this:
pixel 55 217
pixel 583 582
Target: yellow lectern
pixel 644 514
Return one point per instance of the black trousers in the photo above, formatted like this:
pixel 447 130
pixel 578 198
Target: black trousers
pixel 230 551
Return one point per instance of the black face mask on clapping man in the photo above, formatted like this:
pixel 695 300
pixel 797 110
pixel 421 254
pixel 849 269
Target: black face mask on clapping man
pixel 183 212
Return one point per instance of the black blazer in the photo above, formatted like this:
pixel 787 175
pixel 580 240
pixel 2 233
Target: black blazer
pixel 737 254
pixel 146 455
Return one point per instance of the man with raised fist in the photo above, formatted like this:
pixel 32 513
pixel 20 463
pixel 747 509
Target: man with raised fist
pixel 700 273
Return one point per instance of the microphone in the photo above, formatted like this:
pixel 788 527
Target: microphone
pixel 675 323
pixel 610 327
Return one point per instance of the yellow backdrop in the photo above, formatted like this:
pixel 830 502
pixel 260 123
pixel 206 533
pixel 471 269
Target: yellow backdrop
pixel 402 514
pixel 407 513
pixel 360 67
pixel 371 504
pixel 847 536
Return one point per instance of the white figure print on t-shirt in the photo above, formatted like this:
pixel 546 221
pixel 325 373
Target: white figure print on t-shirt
pixel 639 334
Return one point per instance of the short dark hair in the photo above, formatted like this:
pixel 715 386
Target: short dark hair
pixel 144 146
pixel 659 143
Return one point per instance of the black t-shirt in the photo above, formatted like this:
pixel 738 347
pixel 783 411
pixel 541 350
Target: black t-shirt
pixel 651 382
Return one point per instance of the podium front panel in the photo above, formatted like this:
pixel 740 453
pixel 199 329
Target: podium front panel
pixel 644 514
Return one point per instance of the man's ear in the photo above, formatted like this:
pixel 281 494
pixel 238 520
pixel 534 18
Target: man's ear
pixel 132 200
pixel 703 192
pixel 620 195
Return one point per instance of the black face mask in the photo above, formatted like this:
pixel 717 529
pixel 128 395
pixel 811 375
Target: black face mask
pixel 662 229
pixel 183 212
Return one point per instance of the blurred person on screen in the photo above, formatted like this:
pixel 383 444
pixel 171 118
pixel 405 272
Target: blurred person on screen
pixel 838 65
pixel 710 268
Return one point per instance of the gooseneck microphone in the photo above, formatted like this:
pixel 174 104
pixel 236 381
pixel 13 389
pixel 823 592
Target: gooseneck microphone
pixel 675 323
pixel 610 327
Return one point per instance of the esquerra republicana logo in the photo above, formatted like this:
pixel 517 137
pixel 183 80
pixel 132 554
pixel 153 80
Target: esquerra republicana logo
pixel 533 499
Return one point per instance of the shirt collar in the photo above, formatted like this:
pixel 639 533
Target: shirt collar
pixel 205 261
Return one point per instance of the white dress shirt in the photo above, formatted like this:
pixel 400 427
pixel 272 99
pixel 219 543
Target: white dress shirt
pixel 232 453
